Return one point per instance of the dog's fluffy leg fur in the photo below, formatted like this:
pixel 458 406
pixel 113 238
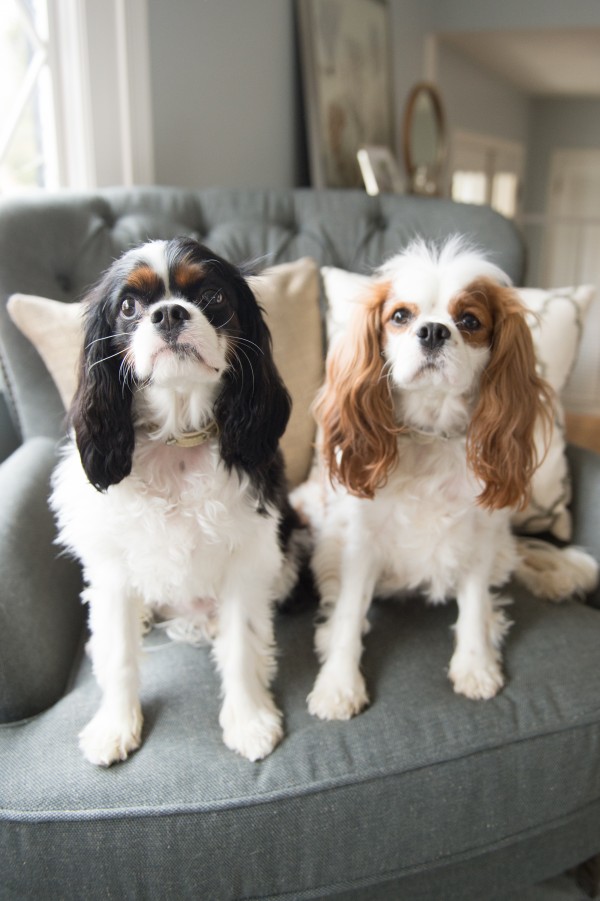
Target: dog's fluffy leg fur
pixel 346 579
pixel 116 626
pixel 555 573
pixel 475 668
pixel 244 650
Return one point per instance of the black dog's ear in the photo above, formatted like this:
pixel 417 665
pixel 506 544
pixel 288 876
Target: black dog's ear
pixel 254 406
pixel 101 411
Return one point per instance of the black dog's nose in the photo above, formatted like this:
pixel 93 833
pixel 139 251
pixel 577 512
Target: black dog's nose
pixel 169 317
pixel 433 334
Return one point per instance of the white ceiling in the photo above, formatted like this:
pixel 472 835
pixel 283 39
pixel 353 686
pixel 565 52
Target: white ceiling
pixel 545 62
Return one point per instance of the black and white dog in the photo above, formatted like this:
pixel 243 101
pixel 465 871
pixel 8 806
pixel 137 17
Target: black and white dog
pixel 171 491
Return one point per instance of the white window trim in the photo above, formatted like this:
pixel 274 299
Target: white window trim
pixel 100 63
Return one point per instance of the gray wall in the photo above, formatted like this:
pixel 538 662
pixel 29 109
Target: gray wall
pixel 226 98
pixel 557 124
pixel 477 100
pixel 410 23
pixel 484 15
pixel 224 93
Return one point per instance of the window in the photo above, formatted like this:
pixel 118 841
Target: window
pixel 28 153
pixel 505 193
pixel 75 106
pixel 485 169
pixel 469 187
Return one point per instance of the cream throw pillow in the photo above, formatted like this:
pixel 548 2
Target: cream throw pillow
pixel 556 322
pixel 56 331
pixel 289 295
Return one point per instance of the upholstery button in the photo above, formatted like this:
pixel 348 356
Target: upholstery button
pixel 64 281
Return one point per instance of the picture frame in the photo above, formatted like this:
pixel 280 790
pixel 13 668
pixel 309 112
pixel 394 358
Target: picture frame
pixel 380 171
pixel 346 76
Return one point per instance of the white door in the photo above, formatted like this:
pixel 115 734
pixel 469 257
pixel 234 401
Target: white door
pixel 571 256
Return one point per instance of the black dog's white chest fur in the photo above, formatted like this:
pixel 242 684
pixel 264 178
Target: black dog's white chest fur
pixel 172 527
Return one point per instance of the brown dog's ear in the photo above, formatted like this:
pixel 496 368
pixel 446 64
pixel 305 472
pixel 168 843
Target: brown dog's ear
pixel 512 400
pixel 354 407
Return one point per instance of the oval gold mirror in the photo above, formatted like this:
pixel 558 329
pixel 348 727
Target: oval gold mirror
pixel 424 140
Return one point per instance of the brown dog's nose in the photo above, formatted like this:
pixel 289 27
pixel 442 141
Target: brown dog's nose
pixel 432 335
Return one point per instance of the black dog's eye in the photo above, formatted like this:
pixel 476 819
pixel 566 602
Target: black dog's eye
pixel 469 322
pixel 211 297
pixel 401 316
pixel 129 308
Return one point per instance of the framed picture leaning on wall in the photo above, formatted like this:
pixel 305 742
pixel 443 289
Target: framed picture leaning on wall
pixel 379 170
pixel 346 71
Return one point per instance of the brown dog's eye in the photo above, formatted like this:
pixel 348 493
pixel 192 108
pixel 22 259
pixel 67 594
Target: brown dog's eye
pixel 129 308
pixel 469 322
pixel 401 316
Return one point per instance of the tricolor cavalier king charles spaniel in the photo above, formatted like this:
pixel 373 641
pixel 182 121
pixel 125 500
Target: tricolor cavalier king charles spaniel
pixel 427 421
pixel 171 491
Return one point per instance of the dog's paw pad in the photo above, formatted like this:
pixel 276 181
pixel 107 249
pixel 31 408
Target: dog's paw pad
pixel 107 739
pixel 338 699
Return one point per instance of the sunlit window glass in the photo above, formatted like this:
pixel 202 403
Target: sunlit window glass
pixel 27 130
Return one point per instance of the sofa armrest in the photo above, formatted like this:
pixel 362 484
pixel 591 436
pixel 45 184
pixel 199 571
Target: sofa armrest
pixel 9 440
pixel 41 618
pixel 584 466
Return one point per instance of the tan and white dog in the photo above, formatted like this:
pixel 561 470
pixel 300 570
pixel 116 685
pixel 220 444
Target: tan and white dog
pixel 427 423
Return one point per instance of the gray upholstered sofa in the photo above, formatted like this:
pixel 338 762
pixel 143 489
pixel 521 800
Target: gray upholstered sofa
pixel 426 795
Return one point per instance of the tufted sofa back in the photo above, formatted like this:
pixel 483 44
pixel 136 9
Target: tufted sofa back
pixel 57 246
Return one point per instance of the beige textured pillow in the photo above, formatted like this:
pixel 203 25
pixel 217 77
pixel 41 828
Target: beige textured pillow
pixel 556 325
pixel 289 295
pixel 56 331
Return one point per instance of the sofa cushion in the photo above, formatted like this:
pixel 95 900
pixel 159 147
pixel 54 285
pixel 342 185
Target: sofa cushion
pixel 289 295
pixel 556 323
pixel 423 779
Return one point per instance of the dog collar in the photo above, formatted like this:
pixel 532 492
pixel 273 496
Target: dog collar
pixel 422 436
pixel 194 439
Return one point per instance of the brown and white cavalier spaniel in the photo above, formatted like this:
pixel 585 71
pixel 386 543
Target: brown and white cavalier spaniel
pixel 427 421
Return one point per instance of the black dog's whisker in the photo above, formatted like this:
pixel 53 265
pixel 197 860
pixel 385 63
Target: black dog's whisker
pixel 105 359
pixel 96 340
pixel 127 374
pixel 248 342
pixel 225 323
pixel 240 367
pixel 241 349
